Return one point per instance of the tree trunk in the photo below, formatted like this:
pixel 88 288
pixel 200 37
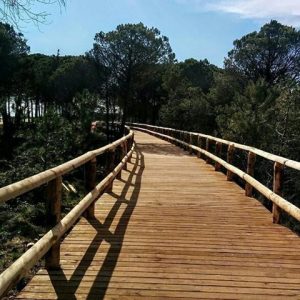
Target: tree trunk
pixel 8 132
pixel 124 115
pixel 18 113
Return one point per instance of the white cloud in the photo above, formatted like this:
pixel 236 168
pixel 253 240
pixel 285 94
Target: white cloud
pixel 285 11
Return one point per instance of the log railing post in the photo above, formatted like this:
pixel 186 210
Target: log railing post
pixel 218 153
pixel 250 171
pixel 129 145
pixel 230 153
pixel 110 164
pixel 181 138
pixel 199 144
pixel 119 158
pixel 90 169
pixel 186 140
pixel 191 143
pixel 208 160
pixel 277 189
pixel 125 150
pixel 53 216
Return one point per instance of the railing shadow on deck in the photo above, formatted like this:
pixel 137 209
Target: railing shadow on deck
pixel 66 288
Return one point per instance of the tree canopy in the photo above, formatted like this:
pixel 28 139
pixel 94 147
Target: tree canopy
pixel 127 50
pixel 273 54
pixel 13 45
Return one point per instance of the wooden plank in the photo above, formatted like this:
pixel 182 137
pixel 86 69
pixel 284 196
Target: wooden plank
pixel 173 228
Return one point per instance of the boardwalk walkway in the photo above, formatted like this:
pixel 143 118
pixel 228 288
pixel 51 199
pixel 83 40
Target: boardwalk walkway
pixel 173 228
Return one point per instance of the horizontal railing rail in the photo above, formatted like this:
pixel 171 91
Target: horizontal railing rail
pixel 49 244
pixel 275 158
pixel 185 139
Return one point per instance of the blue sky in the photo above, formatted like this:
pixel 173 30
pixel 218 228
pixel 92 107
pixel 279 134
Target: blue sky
pixel 196 28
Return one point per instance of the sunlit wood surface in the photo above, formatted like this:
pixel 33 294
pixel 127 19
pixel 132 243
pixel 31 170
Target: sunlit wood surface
pixel 173 228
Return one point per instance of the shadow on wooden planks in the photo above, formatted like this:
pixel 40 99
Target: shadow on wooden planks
pixel 66 288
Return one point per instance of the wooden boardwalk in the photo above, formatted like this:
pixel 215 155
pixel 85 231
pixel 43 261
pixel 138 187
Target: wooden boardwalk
pixel 173 228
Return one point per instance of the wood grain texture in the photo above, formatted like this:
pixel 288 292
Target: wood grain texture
pixel 172 228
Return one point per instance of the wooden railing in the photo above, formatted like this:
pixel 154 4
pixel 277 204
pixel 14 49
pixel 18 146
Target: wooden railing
pixel 201 144
pixel 49 244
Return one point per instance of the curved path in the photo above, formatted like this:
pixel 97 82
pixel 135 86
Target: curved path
pixel 173 228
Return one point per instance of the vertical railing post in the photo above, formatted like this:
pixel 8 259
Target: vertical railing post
pixel 277 189
pixel 53 216
pixel 191 143
pixel 129 145
pixel 110 164
pixel 186 140
pixel 218 153
pixel 90 170
pixel 199 144
pixel 230 153
pixel 178 138
pixel 207 148
pixel 125 150
pixel 120 154
pixel 250 171
pixel 181 138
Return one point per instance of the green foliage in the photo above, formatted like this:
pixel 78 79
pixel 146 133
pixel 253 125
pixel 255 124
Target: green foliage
pixel 50 141
pixel 193 112
pixel 73 75
pixel 273 54
pixel 149 94
pixel 198 73
pixel 129 46
pixel 126 51
pixel 248 118
pixel 12 46
pixel 38 71
pixel 187 85
pixel 257 100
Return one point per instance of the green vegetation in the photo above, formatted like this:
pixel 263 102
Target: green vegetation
pixel 47 104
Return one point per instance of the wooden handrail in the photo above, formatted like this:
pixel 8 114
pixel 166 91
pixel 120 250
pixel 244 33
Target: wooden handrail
pixel 49 243
pixel 275 158
pixel 23 186
pixel 278 201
